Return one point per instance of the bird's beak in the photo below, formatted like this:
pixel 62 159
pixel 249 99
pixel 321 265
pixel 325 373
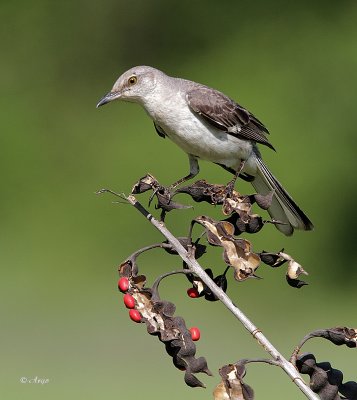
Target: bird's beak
pixel 108 98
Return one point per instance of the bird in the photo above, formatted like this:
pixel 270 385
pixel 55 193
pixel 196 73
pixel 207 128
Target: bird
pixel 208 125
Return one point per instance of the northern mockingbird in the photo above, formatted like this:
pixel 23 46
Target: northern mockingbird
pixel 208 125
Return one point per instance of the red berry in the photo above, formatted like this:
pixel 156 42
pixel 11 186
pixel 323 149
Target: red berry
pixel 193 293
pixel 135 315
pixel 129 300
pixel 195 333
pixel 123 284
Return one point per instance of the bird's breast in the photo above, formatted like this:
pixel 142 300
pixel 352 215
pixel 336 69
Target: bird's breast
pixel 197 137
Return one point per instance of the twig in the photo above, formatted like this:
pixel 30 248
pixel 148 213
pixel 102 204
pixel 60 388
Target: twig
pixel 317 333
pixel 195 267
pixel 261 360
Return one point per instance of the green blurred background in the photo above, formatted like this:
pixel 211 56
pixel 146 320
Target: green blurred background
pixel 293 64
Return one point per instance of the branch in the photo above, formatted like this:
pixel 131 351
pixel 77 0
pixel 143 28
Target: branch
pixel 195 267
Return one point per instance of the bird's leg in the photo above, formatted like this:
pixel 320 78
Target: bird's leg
pixel 230 185
pixel 194 169
pixel 184 179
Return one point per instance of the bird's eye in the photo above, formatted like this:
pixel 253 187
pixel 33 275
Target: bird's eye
pixel 132 80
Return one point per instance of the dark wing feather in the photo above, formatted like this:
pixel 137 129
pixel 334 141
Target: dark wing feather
pixel 159 130
pixel 225 114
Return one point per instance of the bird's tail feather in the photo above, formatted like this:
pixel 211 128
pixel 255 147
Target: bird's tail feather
pixel 283 208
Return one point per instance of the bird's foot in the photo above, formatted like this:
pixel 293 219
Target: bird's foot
pixel 230 185
pixel 228 190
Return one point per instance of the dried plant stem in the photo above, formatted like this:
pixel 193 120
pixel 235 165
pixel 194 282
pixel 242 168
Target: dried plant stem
pixel 195 267
pixel 297 349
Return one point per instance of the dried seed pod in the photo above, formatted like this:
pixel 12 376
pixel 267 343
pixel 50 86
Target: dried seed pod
pixel 325 380
pixel 232 386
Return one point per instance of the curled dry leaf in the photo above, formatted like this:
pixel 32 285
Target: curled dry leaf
pixel 232 386
pixel 236 252
pixel 325 380
pixel 158 315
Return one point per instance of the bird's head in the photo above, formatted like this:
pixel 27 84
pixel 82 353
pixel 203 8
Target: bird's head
pixel 135 85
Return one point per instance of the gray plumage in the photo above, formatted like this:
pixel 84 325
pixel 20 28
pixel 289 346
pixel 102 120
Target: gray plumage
pixel 208 125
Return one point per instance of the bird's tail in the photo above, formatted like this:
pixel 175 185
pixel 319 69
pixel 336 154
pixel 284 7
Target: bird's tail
pixel 283 208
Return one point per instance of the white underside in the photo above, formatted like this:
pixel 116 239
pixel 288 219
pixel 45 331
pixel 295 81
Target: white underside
pixel 196 137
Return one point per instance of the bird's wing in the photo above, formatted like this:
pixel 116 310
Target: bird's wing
pixel 225 114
